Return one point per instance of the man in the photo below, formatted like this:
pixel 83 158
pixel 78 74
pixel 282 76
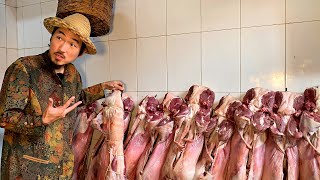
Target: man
pixel 38 98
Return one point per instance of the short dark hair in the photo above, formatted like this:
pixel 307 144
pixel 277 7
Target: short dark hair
pixel 83 45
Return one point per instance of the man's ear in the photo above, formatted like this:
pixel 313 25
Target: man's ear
pixel 49 45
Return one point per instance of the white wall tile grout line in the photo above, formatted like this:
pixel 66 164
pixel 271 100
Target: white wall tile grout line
pixel 201 50
pixel 265 25
pixel 240 49
pixel 167 64
pixel 136 38
pixel 298 22
pixel 285 46
pixel 5 19
pixel 42 17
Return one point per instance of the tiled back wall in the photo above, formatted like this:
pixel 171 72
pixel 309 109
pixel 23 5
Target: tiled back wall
pixel 168 45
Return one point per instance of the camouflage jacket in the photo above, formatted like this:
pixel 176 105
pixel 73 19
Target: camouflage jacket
pixel 32 150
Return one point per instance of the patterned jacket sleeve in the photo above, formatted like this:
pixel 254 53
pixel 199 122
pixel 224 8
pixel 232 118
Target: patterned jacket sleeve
pixel 90 94
pixel 14 99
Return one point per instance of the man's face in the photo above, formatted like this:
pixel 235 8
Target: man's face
pixel 64 47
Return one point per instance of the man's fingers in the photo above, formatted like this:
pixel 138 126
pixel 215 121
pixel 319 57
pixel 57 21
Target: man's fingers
pixel 119 85
pixel 118 88
pixel 72 107
pixel 67 104
pixel 50 102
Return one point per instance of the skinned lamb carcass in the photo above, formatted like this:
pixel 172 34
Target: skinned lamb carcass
pixel 149 115
pixel 293 135
pixel 150 167
pixel 200 99
pixel 215 154
pixel 82 138
pixel 309 146
pixel 241 142
pixel 222 150
pixel 155 160
pixel 261 102
pixel 128 106
pixel 108 157
pixel 312 99
pixel 290 105
pixel 205 160
pixel 275 152
pixel 153 123
pixel 114 118
pixel 181 123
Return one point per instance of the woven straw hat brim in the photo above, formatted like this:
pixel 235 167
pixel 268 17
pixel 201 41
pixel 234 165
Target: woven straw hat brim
pixel 52 22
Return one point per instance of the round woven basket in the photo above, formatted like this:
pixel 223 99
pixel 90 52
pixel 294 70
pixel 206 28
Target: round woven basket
pixel 99 13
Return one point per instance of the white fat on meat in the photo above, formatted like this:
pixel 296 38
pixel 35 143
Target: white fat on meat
pixel 317 99
pixel 166 101
pixel 256 103
pixel 142 107
pixel 286 106
pixel 195 96
pixel 222 110
pixel 308 125
pixel 195 99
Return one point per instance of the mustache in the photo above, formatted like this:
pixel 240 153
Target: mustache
pixel 60 54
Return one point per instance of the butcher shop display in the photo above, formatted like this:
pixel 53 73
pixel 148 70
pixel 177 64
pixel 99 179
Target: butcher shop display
pixel 268 135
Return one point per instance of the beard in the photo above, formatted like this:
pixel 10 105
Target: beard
pixel 54 64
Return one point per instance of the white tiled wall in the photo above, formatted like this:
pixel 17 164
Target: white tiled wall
pixel 124 22
pixel 12 55
pixel 3 55
pixel 151 59
pixel 184 61
pixel 263 61
pixel 123 62
pixel 48 9
pixel 101 58
pixel 20 28
pixel 32 27
pixel 299 11
pixel 32 51
pixel 12 3
pixel 262 12
pixel 217 47
pixel 218 14
pixel 183 16
pixel 151 18
pixel 11 27
pixel 169 45
pixel 303 56
pixel 160 46
pixel 27 2
pixel 3 31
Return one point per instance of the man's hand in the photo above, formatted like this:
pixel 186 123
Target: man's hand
pixel 52 113
pixel 113 85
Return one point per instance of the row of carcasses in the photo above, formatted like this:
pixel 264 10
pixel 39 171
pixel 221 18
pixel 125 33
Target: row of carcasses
pixel 267 135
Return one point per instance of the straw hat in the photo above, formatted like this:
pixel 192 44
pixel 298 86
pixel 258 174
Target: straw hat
pixel 77 24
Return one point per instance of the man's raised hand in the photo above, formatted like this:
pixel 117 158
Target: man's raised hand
pixel 52 113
